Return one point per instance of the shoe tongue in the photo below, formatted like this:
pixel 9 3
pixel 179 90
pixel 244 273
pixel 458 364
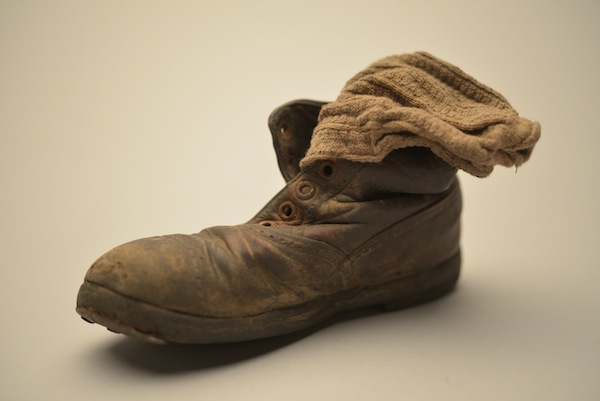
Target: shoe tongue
pixel 292 126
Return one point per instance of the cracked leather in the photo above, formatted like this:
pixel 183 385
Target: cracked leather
pixel 336 228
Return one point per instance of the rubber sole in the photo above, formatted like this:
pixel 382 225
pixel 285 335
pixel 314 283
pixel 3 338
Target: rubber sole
pixel 137 319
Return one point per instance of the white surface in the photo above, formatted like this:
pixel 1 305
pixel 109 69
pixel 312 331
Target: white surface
pixel 124 119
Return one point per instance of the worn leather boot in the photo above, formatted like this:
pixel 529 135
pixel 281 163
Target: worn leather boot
pixel 340 235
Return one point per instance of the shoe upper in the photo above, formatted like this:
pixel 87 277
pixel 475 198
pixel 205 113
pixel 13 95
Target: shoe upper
pixel 336 227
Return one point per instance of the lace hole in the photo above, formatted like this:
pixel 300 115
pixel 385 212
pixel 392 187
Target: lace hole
pixel 284 131
pixel 287 210
pixel 327 170
pixel 305 190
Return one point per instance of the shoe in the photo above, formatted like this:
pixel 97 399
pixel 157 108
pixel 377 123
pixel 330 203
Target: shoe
pixel 340 235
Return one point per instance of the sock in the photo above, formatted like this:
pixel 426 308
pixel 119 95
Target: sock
pixel 418 100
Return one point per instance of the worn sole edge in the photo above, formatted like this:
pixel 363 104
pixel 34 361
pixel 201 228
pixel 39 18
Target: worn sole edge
pixel 137 319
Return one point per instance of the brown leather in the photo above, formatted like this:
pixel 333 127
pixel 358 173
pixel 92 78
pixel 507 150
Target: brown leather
pixel 339 235
pixel 291 127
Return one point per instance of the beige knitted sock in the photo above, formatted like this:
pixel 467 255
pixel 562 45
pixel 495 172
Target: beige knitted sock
pixel 419 100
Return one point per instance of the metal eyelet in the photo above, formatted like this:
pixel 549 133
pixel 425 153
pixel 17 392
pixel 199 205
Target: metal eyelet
pixel 327 169
pixel 285 133
pixel 305 190
pixel 287 211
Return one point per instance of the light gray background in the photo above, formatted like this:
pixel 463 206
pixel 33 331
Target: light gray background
pixel 125 119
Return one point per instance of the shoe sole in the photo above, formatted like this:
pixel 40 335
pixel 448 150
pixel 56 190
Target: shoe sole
pixel 137 319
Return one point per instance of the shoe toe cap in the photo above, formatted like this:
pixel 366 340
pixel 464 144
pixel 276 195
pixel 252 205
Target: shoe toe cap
pixel 157 270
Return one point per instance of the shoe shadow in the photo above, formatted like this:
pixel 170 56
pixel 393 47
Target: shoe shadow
pixel 179 358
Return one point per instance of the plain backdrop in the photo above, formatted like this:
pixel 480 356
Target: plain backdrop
pixel 126 119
